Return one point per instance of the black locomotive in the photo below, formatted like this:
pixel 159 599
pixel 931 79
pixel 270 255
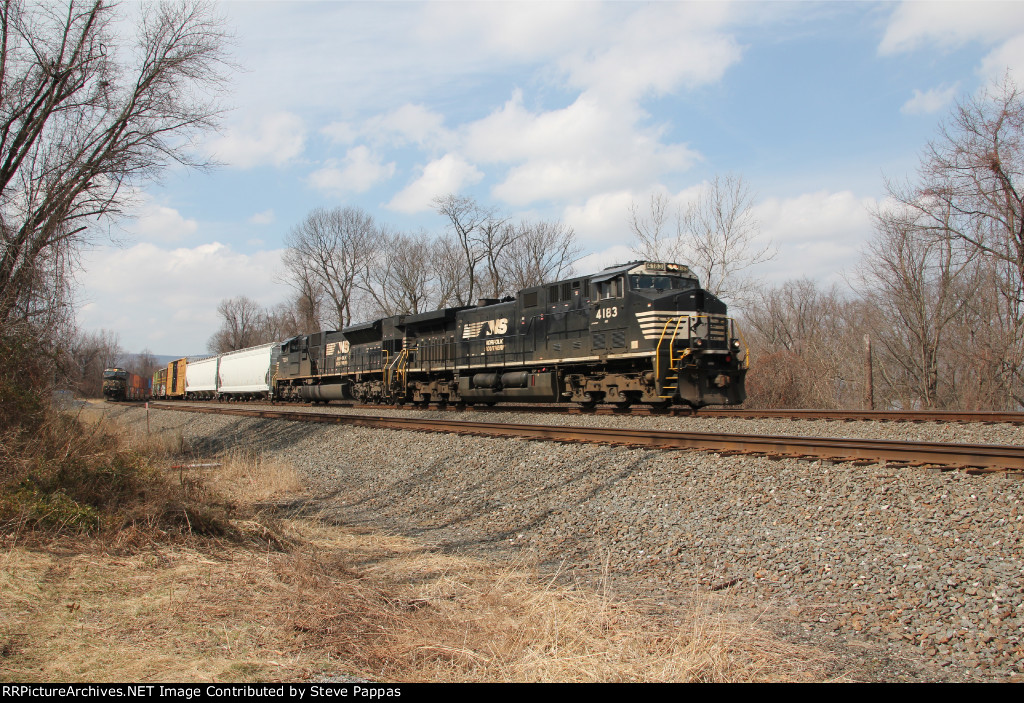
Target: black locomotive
pixel 119 384
pixel 641 332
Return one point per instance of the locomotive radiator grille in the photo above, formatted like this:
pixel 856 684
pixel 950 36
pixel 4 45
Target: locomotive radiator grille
pixel 718 332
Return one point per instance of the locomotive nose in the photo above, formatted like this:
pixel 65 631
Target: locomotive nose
pixel 689 300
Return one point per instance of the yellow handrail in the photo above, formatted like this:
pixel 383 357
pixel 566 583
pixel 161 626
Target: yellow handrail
pixel 396 367
pixel 746 347
pixel 734 326
pixel 657 349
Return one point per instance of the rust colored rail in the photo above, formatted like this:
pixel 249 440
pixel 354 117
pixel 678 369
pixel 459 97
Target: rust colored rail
pixel 966 416
pixel 943 455
pixel 980 416
pixel 872 415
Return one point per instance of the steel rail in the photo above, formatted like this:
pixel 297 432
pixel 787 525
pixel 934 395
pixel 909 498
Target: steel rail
pixel 947 455
pixel 963 416
pixel 978 416
pixel 871 415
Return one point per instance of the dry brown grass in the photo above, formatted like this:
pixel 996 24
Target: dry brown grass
pixel 290 599
pixel 340 600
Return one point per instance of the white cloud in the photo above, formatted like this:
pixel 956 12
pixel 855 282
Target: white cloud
pixel 514 31
pixel 950 24
pixel 340 132
pixel 587 147
pixel 449 174
pixel 153 222
pixel 359 171
pixel 274 139
pixel 658 48
pixel 166 299
pixel 262 218
pixel 407 124
pixel 598 260
pixel 602 219
pixel 412 124
pixel 623 50
pixel 819 234
pixel 929 101
pixel 1009 55
pixel 822 232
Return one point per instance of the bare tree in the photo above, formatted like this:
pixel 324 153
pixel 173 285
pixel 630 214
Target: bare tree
pixel 306 303
pixel 717 236
pixel 330 249
pixel 242 325
pixel 917 287
pixel 970 190
pixel 89 354
pixel 721 238
pixel 479 233
pixel 283 321
pixel 144 363
pixel 804 347
pixel 539 253
pixel 399 279
pixel 451 278
pixel 656 238
pixel 81 122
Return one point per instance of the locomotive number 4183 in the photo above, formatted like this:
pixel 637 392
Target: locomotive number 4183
pixel 606 313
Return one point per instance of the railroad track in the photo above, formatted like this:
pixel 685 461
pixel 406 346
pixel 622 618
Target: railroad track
pixel 937 456
pixel 986 417
pixel 964 416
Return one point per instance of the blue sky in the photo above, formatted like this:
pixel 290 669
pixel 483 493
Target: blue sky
pixel 555 110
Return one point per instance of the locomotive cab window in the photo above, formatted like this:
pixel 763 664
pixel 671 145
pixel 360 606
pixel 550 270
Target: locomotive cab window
pixel 660 283
pixel 610 289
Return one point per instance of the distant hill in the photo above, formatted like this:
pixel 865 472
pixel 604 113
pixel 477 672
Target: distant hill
pixel 164 359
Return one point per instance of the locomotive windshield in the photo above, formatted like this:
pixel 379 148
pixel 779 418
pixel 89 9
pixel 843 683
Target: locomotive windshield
pixel 115 373
pixel 660 283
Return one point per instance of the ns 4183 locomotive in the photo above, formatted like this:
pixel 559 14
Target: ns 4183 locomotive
pixel 643 332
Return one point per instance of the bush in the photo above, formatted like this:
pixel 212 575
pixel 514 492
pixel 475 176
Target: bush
pixel 60 473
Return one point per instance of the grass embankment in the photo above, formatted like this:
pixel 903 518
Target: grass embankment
pixel 186 574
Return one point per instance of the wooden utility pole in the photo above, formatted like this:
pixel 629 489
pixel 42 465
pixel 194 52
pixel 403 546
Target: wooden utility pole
pixel 869 382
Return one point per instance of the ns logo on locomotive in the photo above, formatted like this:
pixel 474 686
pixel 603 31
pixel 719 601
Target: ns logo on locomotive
pixel 643 332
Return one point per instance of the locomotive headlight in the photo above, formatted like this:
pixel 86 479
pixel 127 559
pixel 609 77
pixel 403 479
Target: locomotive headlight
pixel 698 342
pixel 736 344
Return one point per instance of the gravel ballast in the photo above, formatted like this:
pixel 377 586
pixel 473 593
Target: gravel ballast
pixel 922 569
pixel 964 433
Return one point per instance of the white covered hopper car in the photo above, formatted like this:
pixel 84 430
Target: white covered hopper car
pixel 201 378
pixel 245 374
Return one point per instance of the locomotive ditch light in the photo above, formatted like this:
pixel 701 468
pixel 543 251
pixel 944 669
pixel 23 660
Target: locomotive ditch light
pixel 736 344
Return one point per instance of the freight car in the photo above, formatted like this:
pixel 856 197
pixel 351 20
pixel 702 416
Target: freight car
pixel 245 374
pixel 176 378
pixel 160 383
pixel 639 332
pixel 201 378
pixel 119 384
